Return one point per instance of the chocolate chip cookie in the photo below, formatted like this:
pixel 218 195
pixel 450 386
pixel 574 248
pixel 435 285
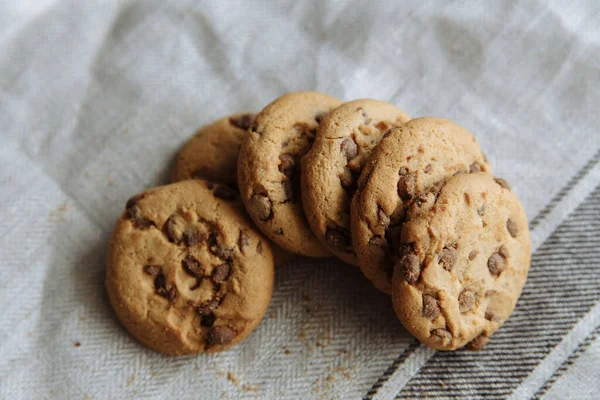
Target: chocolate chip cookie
pixel 464 256
pixel 187 272
pixel 408 160
pixel 212 153
pixel 342 146
pixel 269 173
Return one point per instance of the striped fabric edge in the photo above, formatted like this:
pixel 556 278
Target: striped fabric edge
pixel 552 303
pixel 534 223
pixel 415 344
pixel 564 191
pixel 583 346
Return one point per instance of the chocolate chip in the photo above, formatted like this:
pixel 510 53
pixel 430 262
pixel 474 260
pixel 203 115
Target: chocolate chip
pixel 442 334
pixel 428 168
pixel 220 335
pixel 287 165
pixel 152 270
pixel 473 254
pixel 338 238
pixel 243 240
pixel 207 320
pixel 364 179
pixel 192 237
pixel 502 183
pixel 172 229
pixel 406 184
pixel 288 190
pixel 261 206
pixel 478 343
pixel 382 126
pixel 411 267
pixel 160 282
pixel 208 307
pixel 138 221
pixel 221 272
pixel 367 119
pixel 512 227
pixel 383 219
pixel 349 148
pixel 448 257
pixel 225 193
pixel 133 200
pixel 192 266
pixel 278 231
pixel 475 167
pixel 217 249
pixel 431 307
pixel 466 301
pixel 242 121
pixel 504 252
pixel 160 287
pixel 490 316
pixel 496 264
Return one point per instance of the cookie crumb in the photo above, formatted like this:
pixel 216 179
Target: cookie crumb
pixel 232 377
pixel 77 344
pixel 131 380
pixel 249 388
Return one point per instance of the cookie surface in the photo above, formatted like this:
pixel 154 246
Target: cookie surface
pixel 212 153
pixel 187 273
pixel 342 146
pixel 465 253
pixel 269 169
pixel 407 161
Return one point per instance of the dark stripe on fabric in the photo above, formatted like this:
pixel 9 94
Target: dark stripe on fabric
pixel 564 191
pixel 545 313
pixel 392 368
pixel 583 346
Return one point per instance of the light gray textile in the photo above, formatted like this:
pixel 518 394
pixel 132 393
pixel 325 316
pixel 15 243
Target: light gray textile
pixel 96 97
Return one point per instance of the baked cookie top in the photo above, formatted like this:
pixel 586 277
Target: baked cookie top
pixel 408 160
pixel 268 168
pixel 212 153
pixel 342 146
pixel 464 256
pixel 187 272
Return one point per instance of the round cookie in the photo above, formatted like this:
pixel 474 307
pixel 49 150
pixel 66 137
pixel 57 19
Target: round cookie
pixel 212 153
pixel 408 160
pixel 187 273
pixel 268 175
pixel 344 141
pixel 465 254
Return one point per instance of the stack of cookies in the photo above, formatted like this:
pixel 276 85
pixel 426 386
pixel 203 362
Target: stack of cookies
pixel 411 202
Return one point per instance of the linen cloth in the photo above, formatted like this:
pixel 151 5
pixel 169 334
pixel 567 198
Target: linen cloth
pixel 96 98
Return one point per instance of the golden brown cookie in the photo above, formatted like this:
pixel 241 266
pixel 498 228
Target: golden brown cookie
pixel 187 273
pixel 465 253
pixel 212 153
pixel 268 175
pixel 344 141
pixel 408 160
